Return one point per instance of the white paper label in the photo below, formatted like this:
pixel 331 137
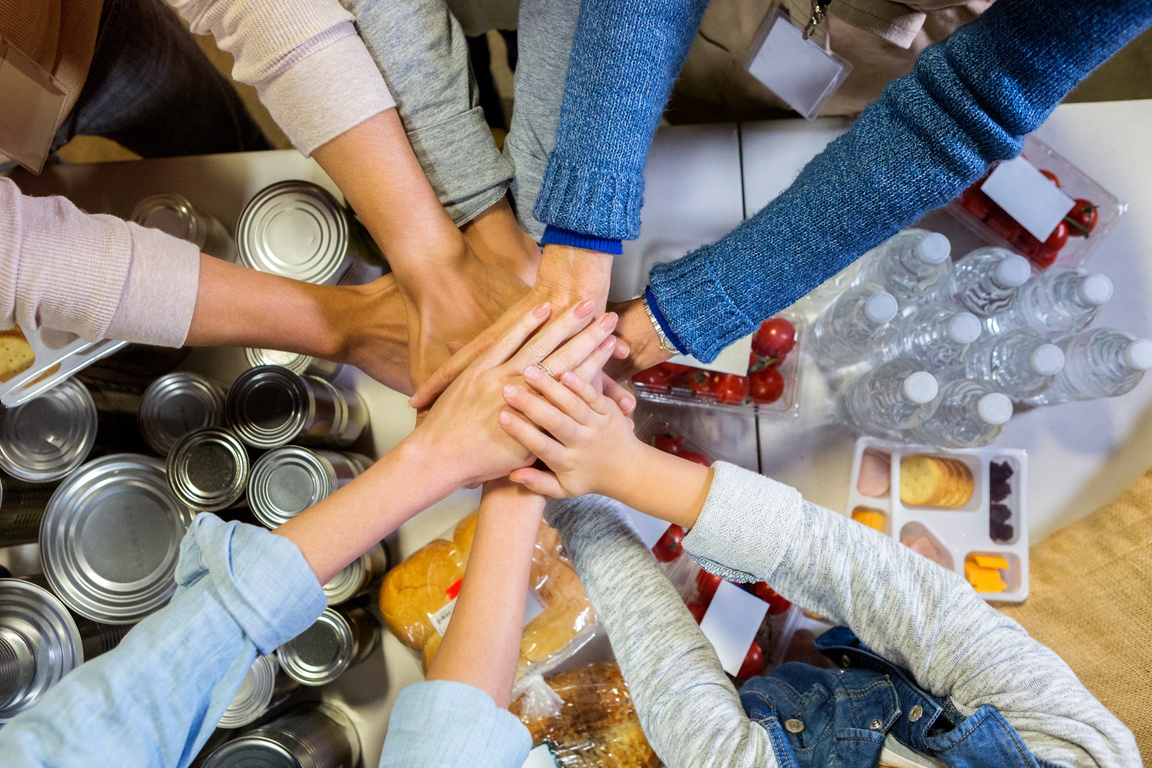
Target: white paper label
pixel 534 605
pixel 540 757
pixel 648 529
pixel 732 359
pixel 1028 196
pixel 799 71
pixel 441 618
pixel 731 622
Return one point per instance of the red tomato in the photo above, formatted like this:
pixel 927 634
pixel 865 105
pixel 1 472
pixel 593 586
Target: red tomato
pixel 776 603
pixel 1043 258
pixel 1004 225
pixel 706 585
pixel 673 444
pixel 668 548
pixel 753 662
pixel 677 368
pixel 696 458
pixel 697 609
pixel 775 338
pixel 767 385
pixel 1057 240
pixel 1082 218
pixel 731 389
pixel 652 378
pixel 976 203
pixel 703 384
pixel 1051 177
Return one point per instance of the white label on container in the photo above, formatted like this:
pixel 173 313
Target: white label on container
pixel 441 618
pixel 648 529
pixel 1028 196
pixel 534 605
pixel 731 622
pixel 540 757
pixel 732 359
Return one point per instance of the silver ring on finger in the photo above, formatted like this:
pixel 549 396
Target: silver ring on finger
pixel 547 371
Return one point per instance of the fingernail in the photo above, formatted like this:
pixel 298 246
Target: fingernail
pixel 608 344
pixel 531 373
pixel 629 403
pixel 608 322
pixel 505 418
pixel 570 378
pixel 509 391
pixel 583 309
pixel 542 309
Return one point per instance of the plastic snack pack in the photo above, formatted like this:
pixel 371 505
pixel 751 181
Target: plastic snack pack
pixel 417 598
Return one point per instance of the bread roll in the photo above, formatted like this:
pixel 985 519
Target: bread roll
pixel 417 588
pixel 568 610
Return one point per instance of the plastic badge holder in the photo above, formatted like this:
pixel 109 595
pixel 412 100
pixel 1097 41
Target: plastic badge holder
pixel 57 356
pixel 788 406
pixel 964 531
pixel 1073 181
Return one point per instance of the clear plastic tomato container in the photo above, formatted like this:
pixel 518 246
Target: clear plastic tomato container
pixel 993 226
pixel 770 388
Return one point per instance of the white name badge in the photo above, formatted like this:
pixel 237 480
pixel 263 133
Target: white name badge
pixel 33 101
pixel 799 71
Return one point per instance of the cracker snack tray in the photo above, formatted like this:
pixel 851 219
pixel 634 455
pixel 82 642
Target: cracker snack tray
pixel 962 533
pixel 56 356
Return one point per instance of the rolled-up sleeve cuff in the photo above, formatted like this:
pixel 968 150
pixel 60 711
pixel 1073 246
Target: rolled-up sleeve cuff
pixel 443 724
pixel 262 579
pixel 600 202
pixel 159 296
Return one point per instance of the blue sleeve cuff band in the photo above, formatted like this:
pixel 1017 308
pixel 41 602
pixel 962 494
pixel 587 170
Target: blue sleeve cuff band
pixel 656 313
pixel 557 236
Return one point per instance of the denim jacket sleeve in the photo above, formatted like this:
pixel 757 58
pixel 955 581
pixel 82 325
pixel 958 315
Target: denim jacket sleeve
pixel 155 699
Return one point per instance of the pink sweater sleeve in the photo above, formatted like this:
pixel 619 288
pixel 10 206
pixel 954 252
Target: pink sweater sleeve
pixel 94 275
pixel 305 59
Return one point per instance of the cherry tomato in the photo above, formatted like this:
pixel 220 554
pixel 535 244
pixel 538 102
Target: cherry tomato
pixel 697 609
pixel 652 378
pixel 775 338
pixel 976 202
pixel 673 444
pixel 696 458
pixel 703 384
pixel 767 385
pixel 668 548
pixel 731 389
pixel 706 585
pixel 1004 225
pixel 776 603
pixel 677 368
pixel 753 662
pixel 1051 177
pixel 1081 220
pixel 1042 258
pixel 1057 240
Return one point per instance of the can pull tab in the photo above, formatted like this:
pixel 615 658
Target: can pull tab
pixel 819 11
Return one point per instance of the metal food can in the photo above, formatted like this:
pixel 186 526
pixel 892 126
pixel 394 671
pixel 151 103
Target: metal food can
pixel 110 539
pixel 340 639
pixel 354 580
pixel 49 436
pixel 270 406
pixel 22 506
pixel 298 229
pixel 39 644
pixel 208 469
pixel 133 368
pixel 262 689
pixel 312 366
pixel 286 481
pixel 174 215
pixel 97 638
pixel 176 404
pixel 117 419
pixel 311 736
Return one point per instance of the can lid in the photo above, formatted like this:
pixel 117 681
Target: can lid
pixel 50 435
pixel 46 629
pixel 111 536
pixel 252 751
pixel 254 695
pixel 964 328
pixel 934 248
pixel 995 408
pixel 1047 359
pixel 176 404
pixel 172 214
pixel 347 584
pixel 1095 289
pixel 268 406
pixel 880 307
pixel 290 360
pixel 319 654
pixel 287 481
pixel 1138 354
pixel 1013 271
pixel 296 229
pixel 208 469
pixel 921 387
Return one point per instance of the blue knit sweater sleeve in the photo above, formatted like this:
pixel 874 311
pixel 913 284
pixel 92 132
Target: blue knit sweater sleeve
pixel 968 102
pixel 625 57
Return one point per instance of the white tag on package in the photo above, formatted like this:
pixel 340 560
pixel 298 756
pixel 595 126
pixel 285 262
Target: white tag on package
pixel 732 359
pixel 731 623
pixel 1028 196
pixel 534 605
pixel 799 71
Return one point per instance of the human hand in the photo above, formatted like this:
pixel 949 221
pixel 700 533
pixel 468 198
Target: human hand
pixel 370 330
pixel 644 350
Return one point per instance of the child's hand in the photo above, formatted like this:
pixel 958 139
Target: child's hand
pixel 589 445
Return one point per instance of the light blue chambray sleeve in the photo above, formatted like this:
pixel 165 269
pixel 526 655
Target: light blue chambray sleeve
pixel 155 699
pixel 446 724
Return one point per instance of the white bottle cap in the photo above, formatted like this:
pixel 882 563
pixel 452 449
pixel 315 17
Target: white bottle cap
pixel 1138 355
pixel 994 408
pixel 934 248
pixel 1047 360
pixel 964 328
pixel 880 307
pixel 1013 271
pixel 921 387
pixel 1095 289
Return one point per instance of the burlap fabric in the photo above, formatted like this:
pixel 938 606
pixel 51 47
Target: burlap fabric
pixel 1091 602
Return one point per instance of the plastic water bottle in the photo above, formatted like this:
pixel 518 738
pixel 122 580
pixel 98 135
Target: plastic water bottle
pixel 1021 364
pixel 913 266
pixel 1057 303
pixel 1102 362
pixel 895 396
pixel 847 330
pixel 936 334
pixel 985 282
pixel 971 414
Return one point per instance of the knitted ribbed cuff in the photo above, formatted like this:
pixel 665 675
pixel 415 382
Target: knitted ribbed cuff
pixel 699 317
pixel 557 236
pixel 595 201
pixel 159 295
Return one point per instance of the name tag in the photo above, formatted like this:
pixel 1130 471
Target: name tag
pixel 33 102
pixel 801 72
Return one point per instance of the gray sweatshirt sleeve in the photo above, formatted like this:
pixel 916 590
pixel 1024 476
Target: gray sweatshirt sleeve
pixel 907 609
pixel 423 54
pixel 688 709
